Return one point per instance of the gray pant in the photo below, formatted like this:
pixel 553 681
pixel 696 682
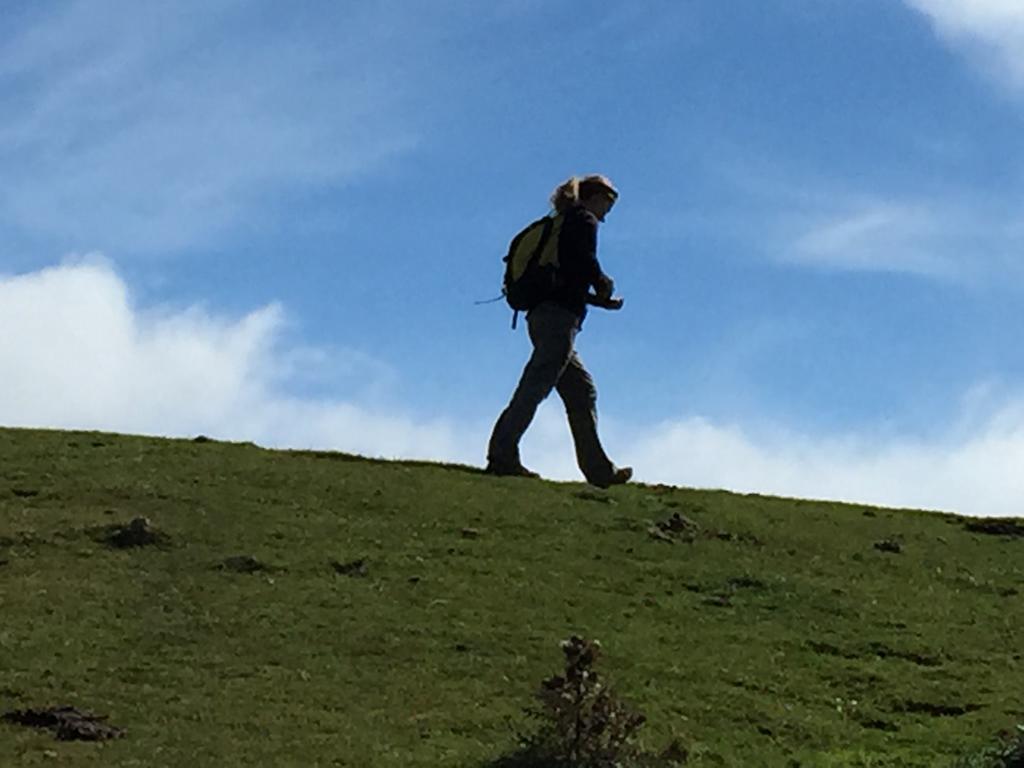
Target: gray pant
pixel 553 365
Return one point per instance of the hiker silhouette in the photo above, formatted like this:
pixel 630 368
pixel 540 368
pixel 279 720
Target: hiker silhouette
pixel 553 322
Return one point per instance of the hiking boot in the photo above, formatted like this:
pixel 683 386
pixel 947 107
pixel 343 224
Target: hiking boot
pixel 620 476
pixel 509 470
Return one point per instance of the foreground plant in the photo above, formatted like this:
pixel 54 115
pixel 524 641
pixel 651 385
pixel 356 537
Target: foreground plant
pixel 1008 754
pixel 583 724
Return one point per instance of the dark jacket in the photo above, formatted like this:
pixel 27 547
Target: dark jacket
pixel 579 270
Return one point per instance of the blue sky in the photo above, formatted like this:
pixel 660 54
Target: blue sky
pixel 272 224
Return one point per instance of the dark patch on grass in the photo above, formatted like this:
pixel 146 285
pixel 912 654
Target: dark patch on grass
pixel 245 564
pixel 877 724
pixel 723 598
pixel 995 526
pixel 935 710
pixel 718 601
pixel 880 650
pixel 883 651
pixel 891 545
pixel 24 493
pixel 23 539
pixel 827 649
pixel 745 582
pixel 67 723
pixel 354 568
pixel 600 497
pixel 973 584
pixel 742 538
pixel 138 532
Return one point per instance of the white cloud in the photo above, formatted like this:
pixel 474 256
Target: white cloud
pixel 85 356
pixel 158 126
pixel 990 30
pixel 975 473
pixel 878 237
pixel 953 240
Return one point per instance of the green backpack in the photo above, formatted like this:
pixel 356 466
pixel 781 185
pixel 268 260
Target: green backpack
pixel 531 264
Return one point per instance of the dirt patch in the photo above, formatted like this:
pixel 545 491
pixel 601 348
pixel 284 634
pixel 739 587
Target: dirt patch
pixel 245 564
pixel 139 532
pixel 67 723
pixel 995 526
pixel 355 568
pixel 678 527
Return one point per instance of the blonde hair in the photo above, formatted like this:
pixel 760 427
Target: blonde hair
pixel 578 188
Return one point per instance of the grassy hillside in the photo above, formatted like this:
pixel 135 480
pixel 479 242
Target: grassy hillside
pixel 779 633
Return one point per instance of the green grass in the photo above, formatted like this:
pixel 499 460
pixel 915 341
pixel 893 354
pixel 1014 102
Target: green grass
pixel 793 642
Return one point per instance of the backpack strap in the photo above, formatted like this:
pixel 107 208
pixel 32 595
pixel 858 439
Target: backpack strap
pixel 545 235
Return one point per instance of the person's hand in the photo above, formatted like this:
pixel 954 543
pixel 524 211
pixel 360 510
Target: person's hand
pixel 605 302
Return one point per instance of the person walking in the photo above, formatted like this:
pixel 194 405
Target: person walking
pixel 553 324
